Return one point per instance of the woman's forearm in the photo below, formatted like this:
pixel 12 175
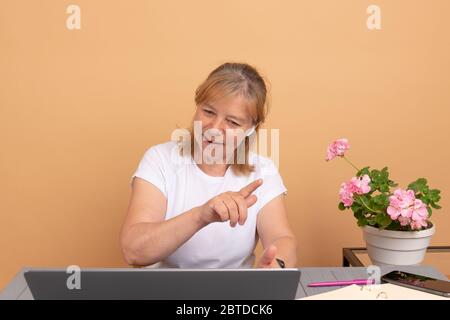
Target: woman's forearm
pixel 287 250
pixel 147 243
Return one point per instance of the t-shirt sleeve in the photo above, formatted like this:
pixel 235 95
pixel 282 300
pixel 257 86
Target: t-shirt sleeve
pixel 272 185
pixel 151 169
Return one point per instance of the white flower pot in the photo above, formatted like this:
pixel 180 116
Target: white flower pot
pixel 387 247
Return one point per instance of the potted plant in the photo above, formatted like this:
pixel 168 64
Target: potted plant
pixel 395 222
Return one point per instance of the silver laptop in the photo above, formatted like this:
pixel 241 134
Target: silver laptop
pixel 164 284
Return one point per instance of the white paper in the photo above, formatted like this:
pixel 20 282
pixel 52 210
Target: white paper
pixel 375 292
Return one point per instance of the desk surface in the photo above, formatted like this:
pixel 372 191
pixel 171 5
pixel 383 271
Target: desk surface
pixel 17 289
pixel 437 256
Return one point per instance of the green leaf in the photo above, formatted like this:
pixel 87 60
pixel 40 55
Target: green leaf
pixel 357 201
pixel 434 196
pixel 372 221
pixel 424 198
pixel 381 199
pixel 341 206
pixel 395 225
pixel 429 212
pixel 375 175
pixel 384 173
pixel 383 220
pixel 419 185
pixel 435 206
pixel 355 207
pixel 362 222
pixel 363 171
pixel 392 183
pixel 358 213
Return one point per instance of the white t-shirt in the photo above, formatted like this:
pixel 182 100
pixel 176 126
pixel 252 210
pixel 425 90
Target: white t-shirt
pixel 186 186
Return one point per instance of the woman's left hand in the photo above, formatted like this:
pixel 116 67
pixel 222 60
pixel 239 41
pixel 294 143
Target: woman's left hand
pixel 268 258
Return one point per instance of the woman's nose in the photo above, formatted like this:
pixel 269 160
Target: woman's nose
pixel 219 124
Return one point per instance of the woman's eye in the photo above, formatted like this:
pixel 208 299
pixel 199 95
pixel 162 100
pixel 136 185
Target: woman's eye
pixel 208 112
pixel 234 123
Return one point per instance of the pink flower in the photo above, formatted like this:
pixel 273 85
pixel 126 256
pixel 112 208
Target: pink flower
pixel 420 215
pixel 420 210
pixel 361 184
pixel 337 148
pixel 358 185
pixel 404 207
pixel 400 204
pixel 403 221
pixel 346 193
pixel 416 225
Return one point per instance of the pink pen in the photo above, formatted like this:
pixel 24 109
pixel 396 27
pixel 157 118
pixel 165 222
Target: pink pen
pixel 342 283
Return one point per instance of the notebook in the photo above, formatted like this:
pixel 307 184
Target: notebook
pixel 375 292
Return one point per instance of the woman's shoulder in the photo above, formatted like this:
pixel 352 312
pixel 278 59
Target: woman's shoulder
pixel 164 149
pixel 263 165
pixel 166 153
pixel 267 169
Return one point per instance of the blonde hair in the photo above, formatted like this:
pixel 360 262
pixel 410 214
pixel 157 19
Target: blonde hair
pixel 235 79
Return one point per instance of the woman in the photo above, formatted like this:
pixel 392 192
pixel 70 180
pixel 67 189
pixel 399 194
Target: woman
pixel 206 213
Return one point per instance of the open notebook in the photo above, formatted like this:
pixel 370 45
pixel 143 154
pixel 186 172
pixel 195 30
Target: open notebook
pixel 375 292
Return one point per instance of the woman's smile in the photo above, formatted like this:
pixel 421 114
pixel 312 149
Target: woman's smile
pixel 213 139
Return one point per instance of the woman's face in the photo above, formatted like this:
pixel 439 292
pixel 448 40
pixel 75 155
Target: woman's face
pixel 228 116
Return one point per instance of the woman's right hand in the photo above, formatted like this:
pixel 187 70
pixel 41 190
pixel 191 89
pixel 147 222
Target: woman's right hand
pixel 230 205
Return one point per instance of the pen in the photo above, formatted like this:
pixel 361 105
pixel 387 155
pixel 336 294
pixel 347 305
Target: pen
pixel 341 283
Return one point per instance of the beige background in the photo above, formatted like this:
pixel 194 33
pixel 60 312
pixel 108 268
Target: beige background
pixel 79 108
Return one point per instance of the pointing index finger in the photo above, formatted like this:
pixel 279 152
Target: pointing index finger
pixel 250 188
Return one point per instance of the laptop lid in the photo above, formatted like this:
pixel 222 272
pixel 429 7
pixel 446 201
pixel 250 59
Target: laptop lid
pixel 166 284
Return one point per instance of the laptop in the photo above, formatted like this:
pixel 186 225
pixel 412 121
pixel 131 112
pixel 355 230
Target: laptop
pixel 164 284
